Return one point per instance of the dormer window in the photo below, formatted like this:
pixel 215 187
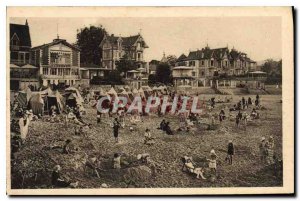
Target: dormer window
pixel 15 40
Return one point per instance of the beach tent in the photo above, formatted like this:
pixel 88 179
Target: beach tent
pixel 146 88
pixel 126 95
pixel 112 91
pixel 24 97
pixel 56 99
pixel 79 98
pixel 113 94
pixel 37 103
pixel 142 93
pixel 135 92
pixel 155 88
pixel 71 100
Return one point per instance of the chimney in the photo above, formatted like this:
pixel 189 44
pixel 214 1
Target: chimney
pixel 26 23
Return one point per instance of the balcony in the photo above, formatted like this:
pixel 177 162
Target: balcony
pixel 19 62
pixel 14 47
pixel 23 75
pixel 60 65
pixel 72 77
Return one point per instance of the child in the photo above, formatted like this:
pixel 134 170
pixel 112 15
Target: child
pixel 98 117
pixel 213 162
pixel 148 138
pixel 66 147
pixel 237 121
pixel 117 161
pixel 189 165
pixel 144 158
pixel 116 126
pixel 230 151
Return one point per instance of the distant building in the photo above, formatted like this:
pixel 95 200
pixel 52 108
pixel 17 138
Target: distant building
pixel 116 47
pixel 22 74
pixel 208 64
pixel 58 62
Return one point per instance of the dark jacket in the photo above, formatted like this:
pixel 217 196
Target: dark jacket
pixel 230 149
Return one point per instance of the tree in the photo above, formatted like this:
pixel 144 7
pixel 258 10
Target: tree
pixel 273 70
pixel 171 60
pixel 88 40
pixel 269 66
pixel 125 64
pixel 114 77
pixel 151 79
pixel 163 73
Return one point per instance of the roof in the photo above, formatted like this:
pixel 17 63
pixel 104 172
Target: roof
pixel 14 66
pixel 217 53
pixel 207 53
pixel 234 54
pixel 22 32
pixel 181 57
pixel 55 42
pixel 258 72
pixel 156 62
pixel 126 41
pixel 129 41
pixel 133 71
pixel 28 66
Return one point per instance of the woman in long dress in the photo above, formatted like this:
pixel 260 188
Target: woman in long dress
pixel 24 125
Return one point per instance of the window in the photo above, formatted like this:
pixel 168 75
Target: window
pixel 53 71
pixel 45 71
pixel 212 63
pixel 138 45
pixel 60 72
pixel 226 63
pixel 192 63
pixel 14 42
pixel 193 73
pixel 21 56
pixel 202 62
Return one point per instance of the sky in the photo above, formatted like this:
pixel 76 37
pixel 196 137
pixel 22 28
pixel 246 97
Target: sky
pixel 259 37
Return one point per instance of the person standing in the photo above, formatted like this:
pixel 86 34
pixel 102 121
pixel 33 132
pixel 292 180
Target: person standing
pixel 116 125
pixel 243 102
pixel 213 162
pixel 262 149
pixel 249 101
pixel 270 150
pixel 24 122
pixel 117 161
pixel 230 151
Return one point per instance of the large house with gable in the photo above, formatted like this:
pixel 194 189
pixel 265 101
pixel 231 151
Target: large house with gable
pixel 115 47
pixel 207 64
pixel 58 63
pixel 22 74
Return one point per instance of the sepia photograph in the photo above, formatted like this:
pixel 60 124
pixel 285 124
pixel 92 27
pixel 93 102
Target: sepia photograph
pixel 150 100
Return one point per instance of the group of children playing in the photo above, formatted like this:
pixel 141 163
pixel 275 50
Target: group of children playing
pixel 189 164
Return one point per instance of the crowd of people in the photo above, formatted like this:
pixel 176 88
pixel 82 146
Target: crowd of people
pixel 120 119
